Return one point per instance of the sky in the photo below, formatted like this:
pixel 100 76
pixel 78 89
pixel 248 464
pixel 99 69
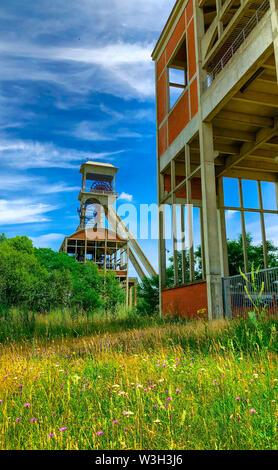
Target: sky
pixel 76 84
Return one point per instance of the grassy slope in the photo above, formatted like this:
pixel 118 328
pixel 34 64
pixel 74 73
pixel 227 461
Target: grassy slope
pixel 167 386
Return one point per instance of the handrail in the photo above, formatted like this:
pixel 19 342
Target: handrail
pixel 252 23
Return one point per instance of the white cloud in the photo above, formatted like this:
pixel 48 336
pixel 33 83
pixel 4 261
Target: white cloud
pixel 23 211
pixel 125 197
pixel 28 154
pixel 18 182
pixel 87 131
pixel 47 240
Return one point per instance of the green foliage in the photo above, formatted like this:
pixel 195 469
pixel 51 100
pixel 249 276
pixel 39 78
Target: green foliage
pixel 23 281
pixel 83 281
pixel 197 271
pixel 148 296
pixel 41 279
pixel 254 252
pixel 111 293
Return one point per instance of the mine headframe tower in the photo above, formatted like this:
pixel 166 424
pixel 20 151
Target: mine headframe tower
pixel 111 250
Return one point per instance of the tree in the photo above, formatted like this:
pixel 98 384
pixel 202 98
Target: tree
pixel 170 269
pixel 23 281
pixel 82 281
pixel 148 296
pixel 255 254
pixel 87 289
pixel 111 292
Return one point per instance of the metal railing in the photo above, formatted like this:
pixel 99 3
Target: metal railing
pixel 237 303
pixel 252 23
pixel 99 191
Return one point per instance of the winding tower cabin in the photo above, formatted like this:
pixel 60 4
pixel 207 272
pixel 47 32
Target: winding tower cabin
pixel 217 117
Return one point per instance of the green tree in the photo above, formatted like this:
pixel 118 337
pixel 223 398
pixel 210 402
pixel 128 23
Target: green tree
pixel 254 253
pixel 148 296
pixel 111 292
pixel 170 268
pixel 78 283
pixel 23 281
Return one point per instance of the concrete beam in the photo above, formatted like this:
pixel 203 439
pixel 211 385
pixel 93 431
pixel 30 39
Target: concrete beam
pixel 246 149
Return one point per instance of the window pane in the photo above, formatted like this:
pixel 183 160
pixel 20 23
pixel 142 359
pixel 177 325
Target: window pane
pixel 269 197
pixel 231 193
pixel 271 228
pixel 233 224
pixel 250 194
pixel 177 76
pixel 175 93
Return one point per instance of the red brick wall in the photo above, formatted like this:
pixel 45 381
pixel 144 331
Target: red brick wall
pixel 176 36
pixel 194 98
pixel 186 301
pixel 178 118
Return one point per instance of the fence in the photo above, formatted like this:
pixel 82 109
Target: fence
pixel 255 19
pixel 237 302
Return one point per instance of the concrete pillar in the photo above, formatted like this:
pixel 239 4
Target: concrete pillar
pixel 202 243
pixel 183 248
pixel 224 250
pixel 274 22
pixel 174 222
pixel 161 253
pixel 210 223
pixel 189 213
pixel 243 229
pixel 222 231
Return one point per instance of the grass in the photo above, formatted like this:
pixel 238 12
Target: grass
pixel 151 385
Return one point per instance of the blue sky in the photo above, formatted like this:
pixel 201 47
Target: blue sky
pixel 76 83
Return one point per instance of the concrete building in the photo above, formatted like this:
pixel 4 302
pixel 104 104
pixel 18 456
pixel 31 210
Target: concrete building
pixel 217 116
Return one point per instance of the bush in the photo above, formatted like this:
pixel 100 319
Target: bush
pixel 41 279
pixel 148 296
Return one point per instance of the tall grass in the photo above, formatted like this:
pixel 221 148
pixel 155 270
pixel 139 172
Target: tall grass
pixel 19 324
pixel 164 385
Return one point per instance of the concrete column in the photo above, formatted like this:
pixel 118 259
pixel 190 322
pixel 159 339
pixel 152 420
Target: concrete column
pixel 174 222
pixel 189 213
pixel 183 248
pixel 210 223
pixel 243 229
pixel 262 225
pixel 224 250
pixel 222 231
pixel 161 253
pixel 274 22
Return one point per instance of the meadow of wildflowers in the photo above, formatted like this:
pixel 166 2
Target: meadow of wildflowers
pixel 162 386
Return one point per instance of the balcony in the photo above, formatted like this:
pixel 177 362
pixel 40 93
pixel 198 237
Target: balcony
pixel 233 36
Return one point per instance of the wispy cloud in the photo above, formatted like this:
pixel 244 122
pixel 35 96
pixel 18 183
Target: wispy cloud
pixel 23 211
pixel 29 154
pixel 87 131
pixel 47 240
